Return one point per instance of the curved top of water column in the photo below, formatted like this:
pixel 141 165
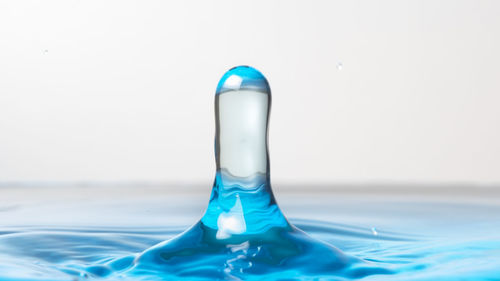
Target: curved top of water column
pixel 243 77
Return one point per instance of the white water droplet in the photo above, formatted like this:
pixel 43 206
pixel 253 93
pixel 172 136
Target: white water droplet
pixel 340 66
pixel 374 231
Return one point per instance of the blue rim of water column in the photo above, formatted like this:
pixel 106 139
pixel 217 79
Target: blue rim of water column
pixel 243 77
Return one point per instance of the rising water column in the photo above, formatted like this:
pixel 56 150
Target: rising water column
pixel 242 201
pixel 243 232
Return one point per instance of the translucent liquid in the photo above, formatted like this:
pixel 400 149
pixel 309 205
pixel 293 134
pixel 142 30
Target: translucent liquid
pixel 243 234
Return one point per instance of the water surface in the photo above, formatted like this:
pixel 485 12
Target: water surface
pixel 87 232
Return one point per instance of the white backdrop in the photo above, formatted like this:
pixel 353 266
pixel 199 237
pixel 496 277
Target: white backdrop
pixel 363 91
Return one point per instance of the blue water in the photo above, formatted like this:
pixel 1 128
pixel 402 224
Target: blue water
pixel 243 234
pixel 415 233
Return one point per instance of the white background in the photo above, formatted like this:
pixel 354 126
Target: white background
pixel 121 90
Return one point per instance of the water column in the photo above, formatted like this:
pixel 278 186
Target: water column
pixel 243 232
pixel 242 201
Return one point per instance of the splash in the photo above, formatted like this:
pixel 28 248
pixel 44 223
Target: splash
pixel 243 233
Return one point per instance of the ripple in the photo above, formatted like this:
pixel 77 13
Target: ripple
pixel 34 252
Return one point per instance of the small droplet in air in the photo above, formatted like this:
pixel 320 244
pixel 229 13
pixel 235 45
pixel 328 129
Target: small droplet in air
pixel 374 231
pixel 45 51
pixel 340 66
